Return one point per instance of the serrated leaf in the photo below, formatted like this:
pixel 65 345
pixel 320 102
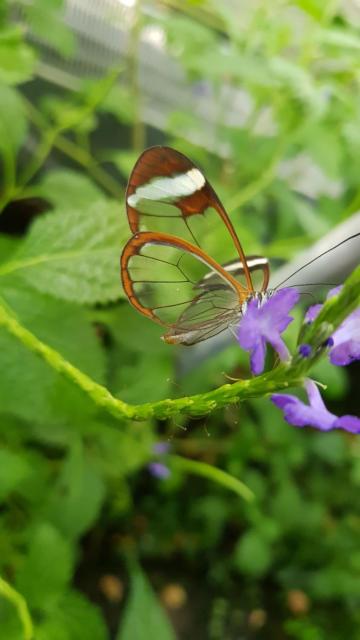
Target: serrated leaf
pixel 74 254
pixel 47 568
pixel 143 617
pixel 29 388
pixel 74 618
pixel 68 189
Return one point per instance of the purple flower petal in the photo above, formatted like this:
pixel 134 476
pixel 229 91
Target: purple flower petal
pixel 314 414
pixel 159 470
pixel 312 313
pixel 264 324
pixel 349 423
pixel 346 338
pixel 344 344
pixel 334 292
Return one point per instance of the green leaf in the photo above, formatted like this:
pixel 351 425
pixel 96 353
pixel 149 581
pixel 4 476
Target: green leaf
pixel 11 628
pixel 13 124
pixel 17 59
pixel 8 246
pixel 77 496
pixel 74 618
pixel 143 617
pixel 253 553
pixel 135 382
pixel 28 388
pixel 18 606
pixel 345 39
pixel 74 254
pixel 46 20
pixel 134 332
pixel 119 102
pixel 288 507
pixel 68 190
pixel 47 568
pixel 13 470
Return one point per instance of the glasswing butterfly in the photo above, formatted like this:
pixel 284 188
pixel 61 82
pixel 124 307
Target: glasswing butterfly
pixel 172 268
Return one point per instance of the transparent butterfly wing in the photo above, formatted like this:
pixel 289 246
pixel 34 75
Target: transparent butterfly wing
pixel 160 274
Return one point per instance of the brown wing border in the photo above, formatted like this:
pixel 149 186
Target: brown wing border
pixel 139 240
pixel 172 162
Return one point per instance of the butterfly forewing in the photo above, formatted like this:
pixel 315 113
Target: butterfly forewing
pixel 169 194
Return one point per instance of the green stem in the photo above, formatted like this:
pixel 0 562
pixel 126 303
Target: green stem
pixel 282 377
pixel 38 158
pixel 197 405
pixel 73 151
pixel 85 159
pixel 212 473
pixel 19 603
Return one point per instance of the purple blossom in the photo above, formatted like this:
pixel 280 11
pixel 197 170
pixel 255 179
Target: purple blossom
pixel 305 350
pixel 344 343
pixel 159 470
pixel 312 313
pixel 264 324
pixel 314 414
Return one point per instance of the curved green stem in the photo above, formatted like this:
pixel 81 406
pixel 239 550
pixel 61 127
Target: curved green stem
pixel 16 599
pixel 212 473
pixel 280 378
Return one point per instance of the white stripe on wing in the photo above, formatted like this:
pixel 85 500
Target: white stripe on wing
pixel 170 189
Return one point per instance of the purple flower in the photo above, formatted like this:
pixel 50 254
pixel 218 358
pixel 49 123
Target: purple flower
pixel 344 343
pixel 265 323
pixel 312 313
pixel 346 346
pixel 305 350
pixel 159 470
pixel 314 414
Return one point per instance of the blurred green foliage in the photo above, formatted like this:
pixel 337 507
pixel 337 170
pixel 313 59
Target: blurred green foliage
pixel 77 502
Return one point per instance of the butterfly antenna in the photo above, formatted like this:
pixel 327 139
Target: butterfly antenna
pixel 356 235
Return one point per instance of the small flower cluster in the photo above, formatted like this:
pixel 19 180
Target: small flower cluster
pixel 265 324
